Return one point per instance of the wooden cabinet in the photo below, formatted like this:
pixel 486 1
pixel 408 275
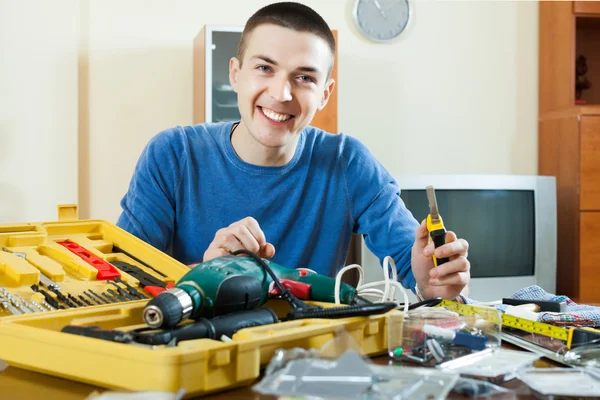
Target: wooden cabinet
pixel 589 266
pixel 586 7
pixel 569 149
pixel 213 98
pixel 589 129
pixel 569 139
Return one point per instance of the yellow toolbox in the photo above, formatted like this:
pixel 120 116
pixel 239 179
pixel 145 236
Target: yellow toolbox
pixel 79 257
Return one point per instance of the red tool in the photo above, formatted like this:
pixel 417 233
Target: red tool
pixel 298 289
pixel 105 270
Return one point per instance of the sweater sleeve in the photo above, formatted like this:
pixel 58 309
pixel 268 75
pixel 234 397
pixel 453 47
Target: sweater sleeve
pixel 378 212
pixel 148 207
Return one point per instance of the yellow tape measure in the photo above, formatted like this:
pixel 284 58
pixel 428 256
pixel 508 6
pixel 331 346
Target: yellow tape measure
pixel 572 336
pixel 510 320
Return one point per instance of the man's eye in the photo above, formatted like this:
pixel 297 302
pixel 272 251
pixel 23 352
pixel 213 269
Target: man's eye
pixel 306 79
pixel 263 68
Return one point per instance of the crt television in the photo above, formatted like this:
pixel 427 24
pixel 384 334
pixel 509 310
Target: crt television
pixel 508 220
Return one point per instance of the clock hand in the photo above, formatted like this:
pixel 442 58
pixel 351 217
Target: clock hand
pixel 379 8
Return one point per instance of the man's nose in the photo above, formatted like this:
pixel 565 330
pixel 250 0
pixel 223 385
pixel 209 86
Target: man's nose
pixel 280 89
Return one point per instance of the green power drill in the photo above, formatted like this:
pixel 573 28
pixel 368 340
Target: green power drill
pixel 243 282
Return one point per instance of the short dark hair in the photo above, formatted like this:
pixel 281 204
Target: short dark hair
pixel 291 15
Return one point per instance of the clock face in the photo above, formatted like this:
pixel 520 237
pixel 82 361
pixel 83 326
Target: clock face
pixel 381 20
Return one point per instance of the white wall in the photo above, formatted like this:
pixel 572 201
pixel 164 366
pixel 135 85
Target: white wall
pixel 38 108
pixel 461 81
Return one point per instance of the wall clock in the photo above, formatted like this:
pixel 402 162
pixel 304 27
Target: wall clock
pixel 381 20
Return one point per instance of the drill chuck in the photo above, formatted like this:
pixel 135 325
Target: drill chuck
pixel 168 309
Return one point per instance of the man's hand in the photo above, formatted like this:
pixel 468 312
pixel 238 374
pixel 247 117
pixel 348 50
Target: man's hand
pixel 243 234
pixel 446 280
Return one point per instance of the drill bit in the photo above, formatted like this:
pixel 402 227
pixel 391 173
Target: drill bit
pixel 116 295
pixel 95 300
pixel 63 298
pixel 131 289
pixel 74 300
pixel 109 298
pixel 96 295
pixel 123 292
pixel 84 300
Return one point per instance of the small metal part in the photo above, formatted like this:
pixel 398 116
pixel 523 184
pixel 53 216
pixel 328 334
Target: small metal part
pixel 48 306
pixel 21 307
pixel 16 253
pixel 153 314
pixel 100 298
pixel 15 302
pixel 49 283
pixel 25 303
pixel 37 305
pixel 84 300
pixel 5 303
pixel 433 208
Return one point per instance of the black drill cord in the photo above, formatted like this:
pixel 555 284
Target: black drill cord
pixel 285 293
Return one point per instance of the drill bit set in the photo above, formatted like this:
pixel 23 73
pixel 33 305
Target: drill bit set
pixel 60 273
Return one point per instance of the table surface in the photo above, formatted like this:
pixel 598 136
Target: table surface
pixel 20 384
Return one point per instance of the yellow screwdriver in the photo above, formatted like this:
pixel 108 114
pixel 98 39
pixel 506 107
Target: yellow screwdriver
pixel 435 225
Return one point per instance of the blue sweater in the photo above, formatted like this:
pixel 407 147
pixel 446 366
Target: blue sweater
pixel 189 183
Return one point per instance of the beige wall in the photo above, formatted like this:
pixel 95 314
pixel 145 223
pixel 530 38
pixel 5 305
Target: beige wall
pixel 461 82
pixel 38 108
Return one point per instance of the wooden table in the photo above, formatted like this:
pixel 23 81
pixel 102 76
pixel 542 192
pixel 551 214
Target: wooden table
pixel 19 384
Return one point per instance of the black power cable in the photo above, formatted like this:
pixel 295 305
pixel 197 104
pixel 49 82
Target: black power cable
pixel 301 310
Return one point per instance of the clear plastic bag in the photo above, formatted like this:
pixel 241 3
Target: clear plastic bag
pixel 339 371
pixel 562 382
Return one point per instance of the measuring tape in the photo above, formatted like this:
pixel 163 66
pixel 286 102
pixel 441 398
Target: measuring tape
pixel 541 328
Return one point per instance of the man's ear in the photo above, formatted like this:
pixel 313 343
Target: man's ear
pixel 234 69
pixel 327 93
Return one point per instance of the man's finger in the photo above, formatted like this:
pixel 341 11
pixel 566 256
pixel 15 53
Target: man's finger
pixel 457 247
pixel 268 251
pixel 255 230
pixel 231 243
pixel 459 264
pixel 246 239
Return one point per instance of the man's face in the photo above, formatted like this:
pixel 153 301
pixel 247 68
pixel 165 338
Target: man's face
pixel 282 83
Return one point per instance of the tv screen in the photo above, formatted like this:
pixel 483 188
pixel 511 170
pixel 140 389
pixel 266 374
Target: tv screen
pixel 498 224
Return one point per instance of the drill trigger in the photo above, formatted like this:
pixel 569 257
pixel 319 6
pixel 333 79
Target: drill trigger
pixel 299 289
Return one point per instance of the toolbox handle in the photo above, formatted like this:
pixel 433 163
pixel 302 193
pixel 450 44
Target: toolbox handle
pixel 68 212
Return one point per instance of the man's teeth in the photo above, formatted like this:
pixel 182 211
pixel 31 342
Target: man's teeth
pixel 276 116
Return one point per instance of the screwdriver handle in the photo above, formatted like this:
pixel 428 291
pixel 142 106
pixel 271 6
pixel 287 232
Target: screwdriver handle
pixel 437 233
pixel 439 239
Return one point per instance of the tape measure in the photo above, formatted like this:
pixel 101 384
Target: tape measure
pixel 572 336
pixel 511 321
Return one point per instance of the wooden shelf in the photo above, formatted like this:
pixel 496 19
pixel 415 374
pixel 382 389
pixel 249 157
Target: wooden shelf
pixel 586 7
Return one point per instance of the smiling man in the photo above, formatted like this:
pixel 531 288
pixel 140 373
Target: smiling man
pixel 273 184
